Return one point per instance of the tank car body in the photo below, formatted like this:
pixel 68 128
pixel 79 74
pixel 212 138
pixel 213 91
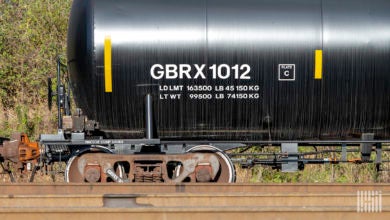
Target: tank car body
pixel 168 86
pixel 234 70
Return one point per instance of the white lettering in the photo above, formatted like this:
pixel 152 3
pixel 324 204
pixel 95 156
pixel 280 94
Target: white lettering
pixel 184 69
pixel 199 71
pixel 171 71
pixel 160 72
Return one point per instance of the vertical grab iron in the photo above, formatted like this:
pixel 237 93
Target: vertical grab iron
pixel 149 120
pixel 62 93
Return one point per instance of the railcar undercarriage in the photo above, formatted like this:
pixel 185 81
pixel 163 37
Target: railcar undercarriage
pixel 135 161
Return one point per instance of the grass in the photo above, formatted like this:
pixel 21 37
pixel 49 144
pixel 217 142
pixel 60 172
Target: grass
pixel 319 173
pixel 48 174
pixel 325 173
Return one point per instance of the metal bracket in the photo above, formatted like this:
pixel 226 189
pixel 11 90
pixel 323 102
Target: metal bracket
pixel 344 152
pixel 291 150
pixel 366 148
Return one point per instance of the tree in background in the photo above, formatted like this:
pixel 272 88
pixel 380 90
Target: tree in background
pixel 32 34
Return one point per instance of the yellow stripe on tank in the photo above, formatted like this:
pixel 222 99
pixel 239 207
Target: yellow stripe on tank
pixel 318 65
pixel 107 64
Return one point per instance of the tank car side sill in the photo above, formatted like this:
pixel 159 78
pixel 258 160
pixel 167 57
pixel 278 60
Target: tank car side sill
pixel 279 142
pixel 78 139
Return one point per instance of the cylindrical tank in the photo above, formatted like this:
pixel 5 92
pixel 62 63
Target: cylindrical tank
pixel 233 70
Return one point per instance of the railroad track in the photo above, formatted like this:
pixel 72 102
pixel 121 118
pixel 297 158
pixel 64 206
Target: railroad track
pixel 188 201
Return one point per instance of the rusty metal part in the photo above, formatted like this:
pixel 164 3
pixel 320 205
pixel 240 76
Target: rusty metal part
pixel 203 172
pixel 355 160
pixel 28 150
pixel 11 150
pixel 142 164
pixel 79 123
pixel 189 166
pixel 143 167
pixel 67 123
pixel 227 172
pixel 193 201
pixel 148 173
pixel 20 149
pixel 92 173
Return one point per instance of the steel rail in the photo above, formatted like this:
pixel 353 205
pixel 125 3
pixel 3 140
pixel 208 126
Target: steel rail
pixel 150 188
pixel 230 213
pixel 190 201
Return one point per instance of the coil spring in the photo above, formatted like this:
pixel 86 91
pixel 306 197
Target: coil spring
pixel 138 178
pixel 58 148
pixel 58 152
pixel 148 178
pixel 157 178
pixel 154 176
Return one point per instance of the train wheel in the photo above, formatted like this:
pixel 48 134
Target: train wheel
pixel 74 171
pixel 77 171
pixel 227 172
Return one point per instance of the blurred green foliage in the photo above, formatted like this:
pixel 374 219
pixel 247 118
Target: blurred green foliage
pixel 32 34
